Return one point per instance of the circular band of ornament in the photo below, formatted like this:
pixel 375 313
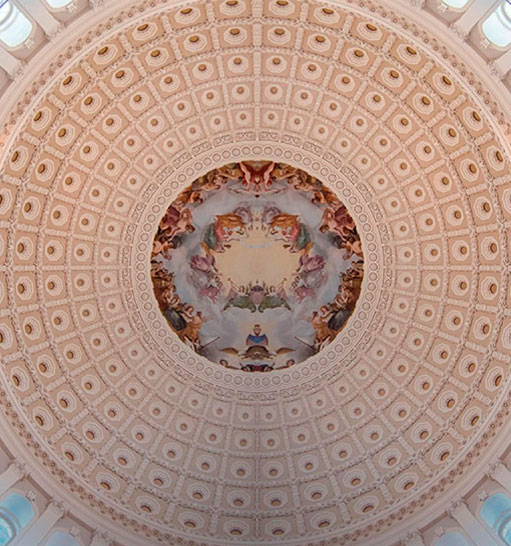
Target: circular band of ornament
pixel 81 324
pixel 349 342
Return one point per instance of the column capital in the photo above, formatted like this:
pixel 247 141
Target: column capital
pixel 441 6
pixel 19 468
pixel 471 525
pixel 483 495
pixel 456 508
pixel 39 529
pixel 459 31
pixel 413 539
pixel 100 538
pixel 96 4
pixel 17 70
pixel 57 506
pixel 439 530
pixel 31 495
pixel 55 32
pixel 496 70
pixel 496 469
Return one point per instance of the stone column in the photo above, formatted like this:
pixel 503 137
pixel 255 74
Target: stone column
pixel 502 65
pixel 472 526
pixel 473 15
pixel 501 474
pixel 39 12
pixel 39 529
pixel 9 477
pixel 13 66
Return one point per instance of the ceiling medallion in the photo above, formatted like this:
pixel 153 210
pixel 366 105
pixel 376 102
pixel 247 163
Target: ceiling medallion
pixel 257 266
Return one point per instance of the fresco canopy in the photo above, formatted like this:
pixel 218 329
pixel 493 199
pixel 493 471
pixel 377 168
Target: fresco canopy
pixel 257 265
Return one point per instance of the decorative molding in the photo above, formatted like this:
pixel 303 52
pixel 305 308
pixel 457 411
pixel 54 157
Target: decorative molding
pixel 100 539
pixel 497 468
pixel 413 539
pixel 496 70
pixel 58 506
pixel 439 530
pixel 457 508
pixel 31 495
pixel 171 376
pixel 21 468
pixel 482 495
pixel 18 71
pixel 460 32
pixel 484 43
pixel 56 32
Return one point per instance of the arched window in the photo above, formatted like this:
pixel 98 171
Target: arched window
pixel 452 539
pixel 58 3
pixel 15 28
pixel 496 513
pixel 497 27
pixel 15 513
pixel 458 4
pixel 62 539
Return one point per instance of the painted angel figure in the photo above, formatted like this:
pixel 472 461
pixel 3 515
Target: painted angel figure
pixel 257 179
pixel 239 297
pixel 176 221
pixel 227 227
pixel 275 296
pixel 324 334
pixel 288 228
pixel 337 221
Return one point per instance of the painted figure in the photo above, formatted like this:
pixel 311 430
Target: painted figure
pixel 287 227
pixel 238 297
pixel 194 322
pixel 257 338
pixel 324 334
pixel 256 179
pixel 274 297
pixel 296 223
pixel 176 221
pixel 226 227
pixel 257 297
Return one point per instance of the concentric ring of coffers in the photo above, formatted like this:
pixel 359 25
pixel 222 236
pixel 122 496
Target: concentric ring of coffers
pixel 180 457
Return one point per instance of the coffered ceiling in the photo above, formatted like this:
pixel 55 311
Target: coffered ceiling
pixel 129 424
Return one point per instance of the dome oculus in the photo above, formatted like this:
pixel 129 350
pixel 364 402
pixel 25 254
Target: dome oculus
pixel 257 266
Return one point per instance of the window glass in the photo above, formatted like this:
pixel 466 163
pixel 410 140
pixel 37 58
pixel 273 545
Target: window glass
pixel 15 512
pixel 61 539
pixel 496 513
pixel 7 531
pixel 58 3
pixel 15 28
pixel 497 27
pixel 505 532
pixel 456 3
pixel 20 507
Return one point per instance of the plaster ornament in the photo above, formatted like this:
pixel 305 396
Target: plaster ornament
pixel 405 403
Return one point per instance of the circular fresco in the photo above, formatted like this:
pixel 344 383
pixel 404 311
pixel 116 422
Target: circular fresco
pixel 257 266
